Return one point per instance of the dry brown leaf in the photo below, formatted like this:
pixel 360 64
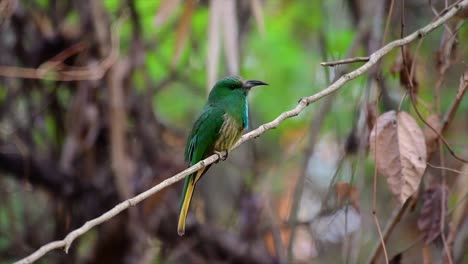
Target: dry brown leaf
pixel 166 9
pixel 183 30
pixel 404 67
pixel 347 192
pixel 398 148
pixel 429 221
pixel 429 135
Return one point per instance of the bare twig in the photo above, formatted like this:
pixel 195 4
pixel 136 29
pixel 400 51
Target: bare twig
pixel 381 237
pixel 387 23
pixel 345 61
pixel 443 204
pixel 303 103
pixel 56 61
pixel 381 244
pixel 447 169
pixel 460 93
pixel 439 135
pixel 375 34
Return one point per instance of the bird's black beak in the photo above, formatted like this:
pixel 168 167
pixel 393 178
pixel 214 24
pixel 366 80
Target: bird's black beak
pixel 252 83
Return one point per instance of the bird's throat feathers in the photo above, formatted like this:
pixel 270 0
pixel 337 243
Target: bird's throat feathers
pixel 234 102
pixel 246 114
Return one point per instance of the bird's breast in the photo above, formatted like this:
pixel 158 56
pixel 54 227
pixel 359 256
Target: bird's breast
pixel 230 132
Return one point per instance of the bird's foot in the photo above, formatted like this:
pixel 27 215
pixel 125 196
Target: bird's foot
pixel 303 99
pixel 222 155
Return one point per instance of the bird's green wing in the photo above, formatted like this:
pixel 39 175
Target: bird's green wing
pixel 204 134
pixel 200 144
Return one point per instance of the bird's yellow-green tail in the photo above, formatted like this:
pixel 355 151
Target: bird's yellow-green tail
pixel 188 188
pixel 187 193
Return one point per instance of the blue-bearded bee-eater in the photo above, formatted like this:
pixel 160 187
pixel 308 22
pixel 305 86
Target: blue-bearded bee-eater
pixel 218 127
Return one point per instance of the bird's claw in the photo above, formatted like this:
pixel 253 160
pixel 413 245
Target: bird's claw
pixel 222 155
pixel 303 99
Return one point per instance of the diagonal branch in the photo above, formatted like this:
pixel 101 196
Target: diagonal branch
pixel 303 103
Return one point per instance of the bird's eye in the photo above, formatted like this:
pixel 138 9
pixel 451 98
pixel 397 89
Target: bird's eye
pixel 232 87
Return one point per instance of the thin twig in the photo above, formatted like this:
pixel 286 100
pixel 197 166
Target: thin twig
pixel 439 135
pixel 381 244
pixel 345 61
pixel 447 169
pixel 387 23
pixel 303 103
pixel 395 218
pixel 56 61
pixel 443 204
pixel 382 239
pixel 460 93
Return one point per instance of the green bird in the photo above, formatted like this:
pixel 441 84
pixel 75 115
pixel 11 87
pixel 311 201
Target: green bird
pixel 216 130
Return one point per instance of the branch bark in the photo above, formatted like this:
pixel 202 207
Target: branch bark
pixel 344 61
pixel 303 103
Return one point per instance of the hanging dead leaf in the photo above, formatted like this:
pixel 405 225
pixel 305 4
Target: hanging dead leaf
pixel 183 30
pixel 429 221
pixel 398 148
pixel 166 9
pixel 404 67
pixel 429 135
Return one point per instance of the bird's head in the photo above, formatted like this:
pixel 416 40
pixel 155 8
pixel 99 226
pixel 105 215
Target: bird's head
pixel 233 85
